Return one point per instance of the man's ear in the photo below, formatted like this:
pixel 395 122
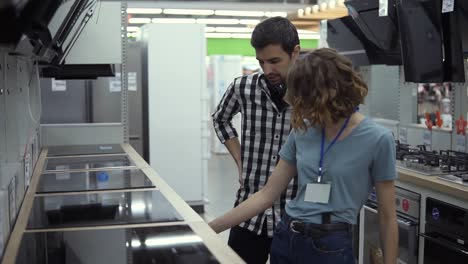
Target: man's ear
pixel 296 51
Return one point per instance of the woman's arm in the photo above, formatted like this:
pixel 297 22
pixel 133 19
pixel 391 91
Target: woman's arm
pixel 260 201
pixel 387 220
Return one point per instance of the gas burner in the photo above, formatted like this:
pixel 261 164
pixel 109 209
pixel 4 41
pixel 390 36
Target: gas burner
pixel 403 150
pixel 453 161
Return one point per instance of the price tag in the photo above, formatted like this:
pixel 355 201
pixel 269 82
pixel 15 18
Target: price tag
pixel 461 143
pixel 27 170
pixel 132 81
pixel 447 6
pixel 403 137
pixel 62 176
pixel 383 8
pixel 12 201
pixel 115 83
pixel 427 139
pixel 59 85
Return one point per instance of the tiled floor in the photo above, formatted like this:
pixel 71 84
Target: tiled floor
pixel 222 187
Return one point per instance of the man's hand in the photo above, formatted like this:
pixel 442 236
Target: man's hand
pixel 241 181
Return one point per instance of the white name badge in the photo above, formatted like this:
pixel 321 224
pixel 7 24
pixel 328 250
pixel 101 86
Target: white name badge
pixel 317 192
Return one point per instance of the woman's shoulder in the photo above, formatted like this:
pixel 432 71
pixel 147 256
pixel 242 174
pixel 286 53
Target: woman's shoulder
pixel 376 131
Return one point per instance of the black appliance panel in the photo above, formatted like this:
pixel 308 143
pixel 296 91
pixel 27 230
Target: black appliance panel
pixel 97 209
pixel 446 233
pixel 168 244
pixel 342 35
pixel 430 42
pixel 61 182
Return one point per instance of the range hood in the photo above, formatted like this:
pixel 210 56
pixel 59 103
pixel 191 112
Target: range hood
pixel 78 71
pixel 46 30
pixel 43 29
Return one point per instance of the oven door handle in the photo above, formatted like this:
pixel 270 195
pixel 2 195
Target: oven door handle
pixel 404 223
pixel 446 245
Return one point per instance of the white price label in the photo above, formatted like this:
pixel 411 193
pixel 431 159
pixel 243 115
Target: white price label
pixel 447 6
pixel 383 8
pixel 115 83
pixel 132 81
pixel 62 176
pixel 461 143
pixel 27 170
pixel 403 137
pixel 59 85
pixel 427 139
pixel 12 200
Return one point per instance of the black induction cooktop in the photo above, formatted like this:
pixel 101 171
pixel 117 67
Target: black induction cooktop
pixel 100 209
pixel 164 244
pixel 88 162
pixel 93 181
pixel 56 151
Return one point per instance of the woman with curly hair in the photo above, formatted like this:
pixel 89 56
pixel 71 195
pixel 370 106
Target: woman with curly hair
pixel 339 155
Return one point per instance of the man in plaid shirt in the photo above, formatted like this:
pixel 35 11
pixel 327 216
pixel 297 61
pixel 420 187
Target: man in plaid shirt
pixel 265 127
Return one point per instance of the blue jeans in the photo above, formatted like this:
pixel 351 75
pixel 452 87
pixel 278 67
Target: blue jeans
pixel 289 247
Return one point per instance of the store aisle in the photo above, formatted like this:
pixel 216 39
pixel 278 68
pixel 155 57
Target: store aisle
pixel 222 185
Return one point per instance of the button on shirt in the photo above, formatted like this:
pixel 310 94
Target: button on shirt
pixel 265 127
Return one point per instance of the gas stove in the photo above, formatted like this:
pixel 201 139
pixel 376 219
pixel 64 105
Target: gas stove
pixel 430 163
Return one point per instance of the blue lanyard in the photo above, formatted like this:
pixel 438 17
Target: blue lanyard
pixel 322 153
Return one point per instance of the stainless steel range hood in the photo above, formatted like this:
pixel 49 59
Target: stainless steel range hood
pixel 43 29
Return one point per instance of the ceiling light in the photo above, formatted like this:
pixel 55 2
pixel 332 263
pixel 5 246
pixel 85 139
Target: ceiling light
pixel 229 35
pixel 302 31
pixel 233 29
pixel 239 13
pixel 218 35
pixel 210 29
pixel 139 20
pixel 217 21
pixel 174 20
pixel 274 14
pixel 241 35
pixel 308 10
pixel 323 6
pixel 300 12
pixel 249 21
pixel 309 36
pixel 133 29
pixel 144 10
pixel 195 12
pixel 315 9
pixel 332 4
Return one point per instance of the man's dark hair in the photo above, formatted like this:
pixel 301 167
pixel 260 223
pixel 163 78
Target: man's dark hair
pixel 275 30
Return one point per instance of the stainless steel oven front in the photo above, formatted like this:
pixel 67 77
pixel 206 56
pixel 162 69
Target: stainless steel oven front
pixel 408 210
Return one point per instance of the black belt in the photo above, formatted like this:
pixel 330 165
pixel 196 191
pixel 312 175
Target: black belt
pixel 315 230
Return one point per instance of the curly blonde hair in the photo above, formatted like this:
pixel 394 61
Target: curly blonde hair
pixel 322 88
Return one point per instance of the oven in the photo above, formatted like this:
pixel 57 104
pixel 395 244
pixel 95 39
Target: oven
pixel 408 206
pixel 446 233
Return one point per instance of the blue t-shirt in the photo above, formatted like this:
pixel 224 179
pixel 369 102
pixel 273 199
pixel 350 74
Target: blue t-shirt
pixel 353 165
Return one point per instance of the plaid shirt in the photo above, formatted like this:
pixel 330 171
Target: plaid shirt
pixel 264 130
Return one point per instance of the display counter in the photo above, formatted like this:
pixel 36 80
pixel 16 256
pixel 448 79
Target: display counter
pixel 433 183
pixel 87 207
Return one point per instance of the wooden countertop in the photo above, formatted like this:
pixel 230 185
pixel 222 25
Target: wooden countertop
pixel 433 183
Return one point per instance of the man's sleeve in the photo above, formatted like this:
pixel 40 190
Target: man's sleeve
pixel 227 108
